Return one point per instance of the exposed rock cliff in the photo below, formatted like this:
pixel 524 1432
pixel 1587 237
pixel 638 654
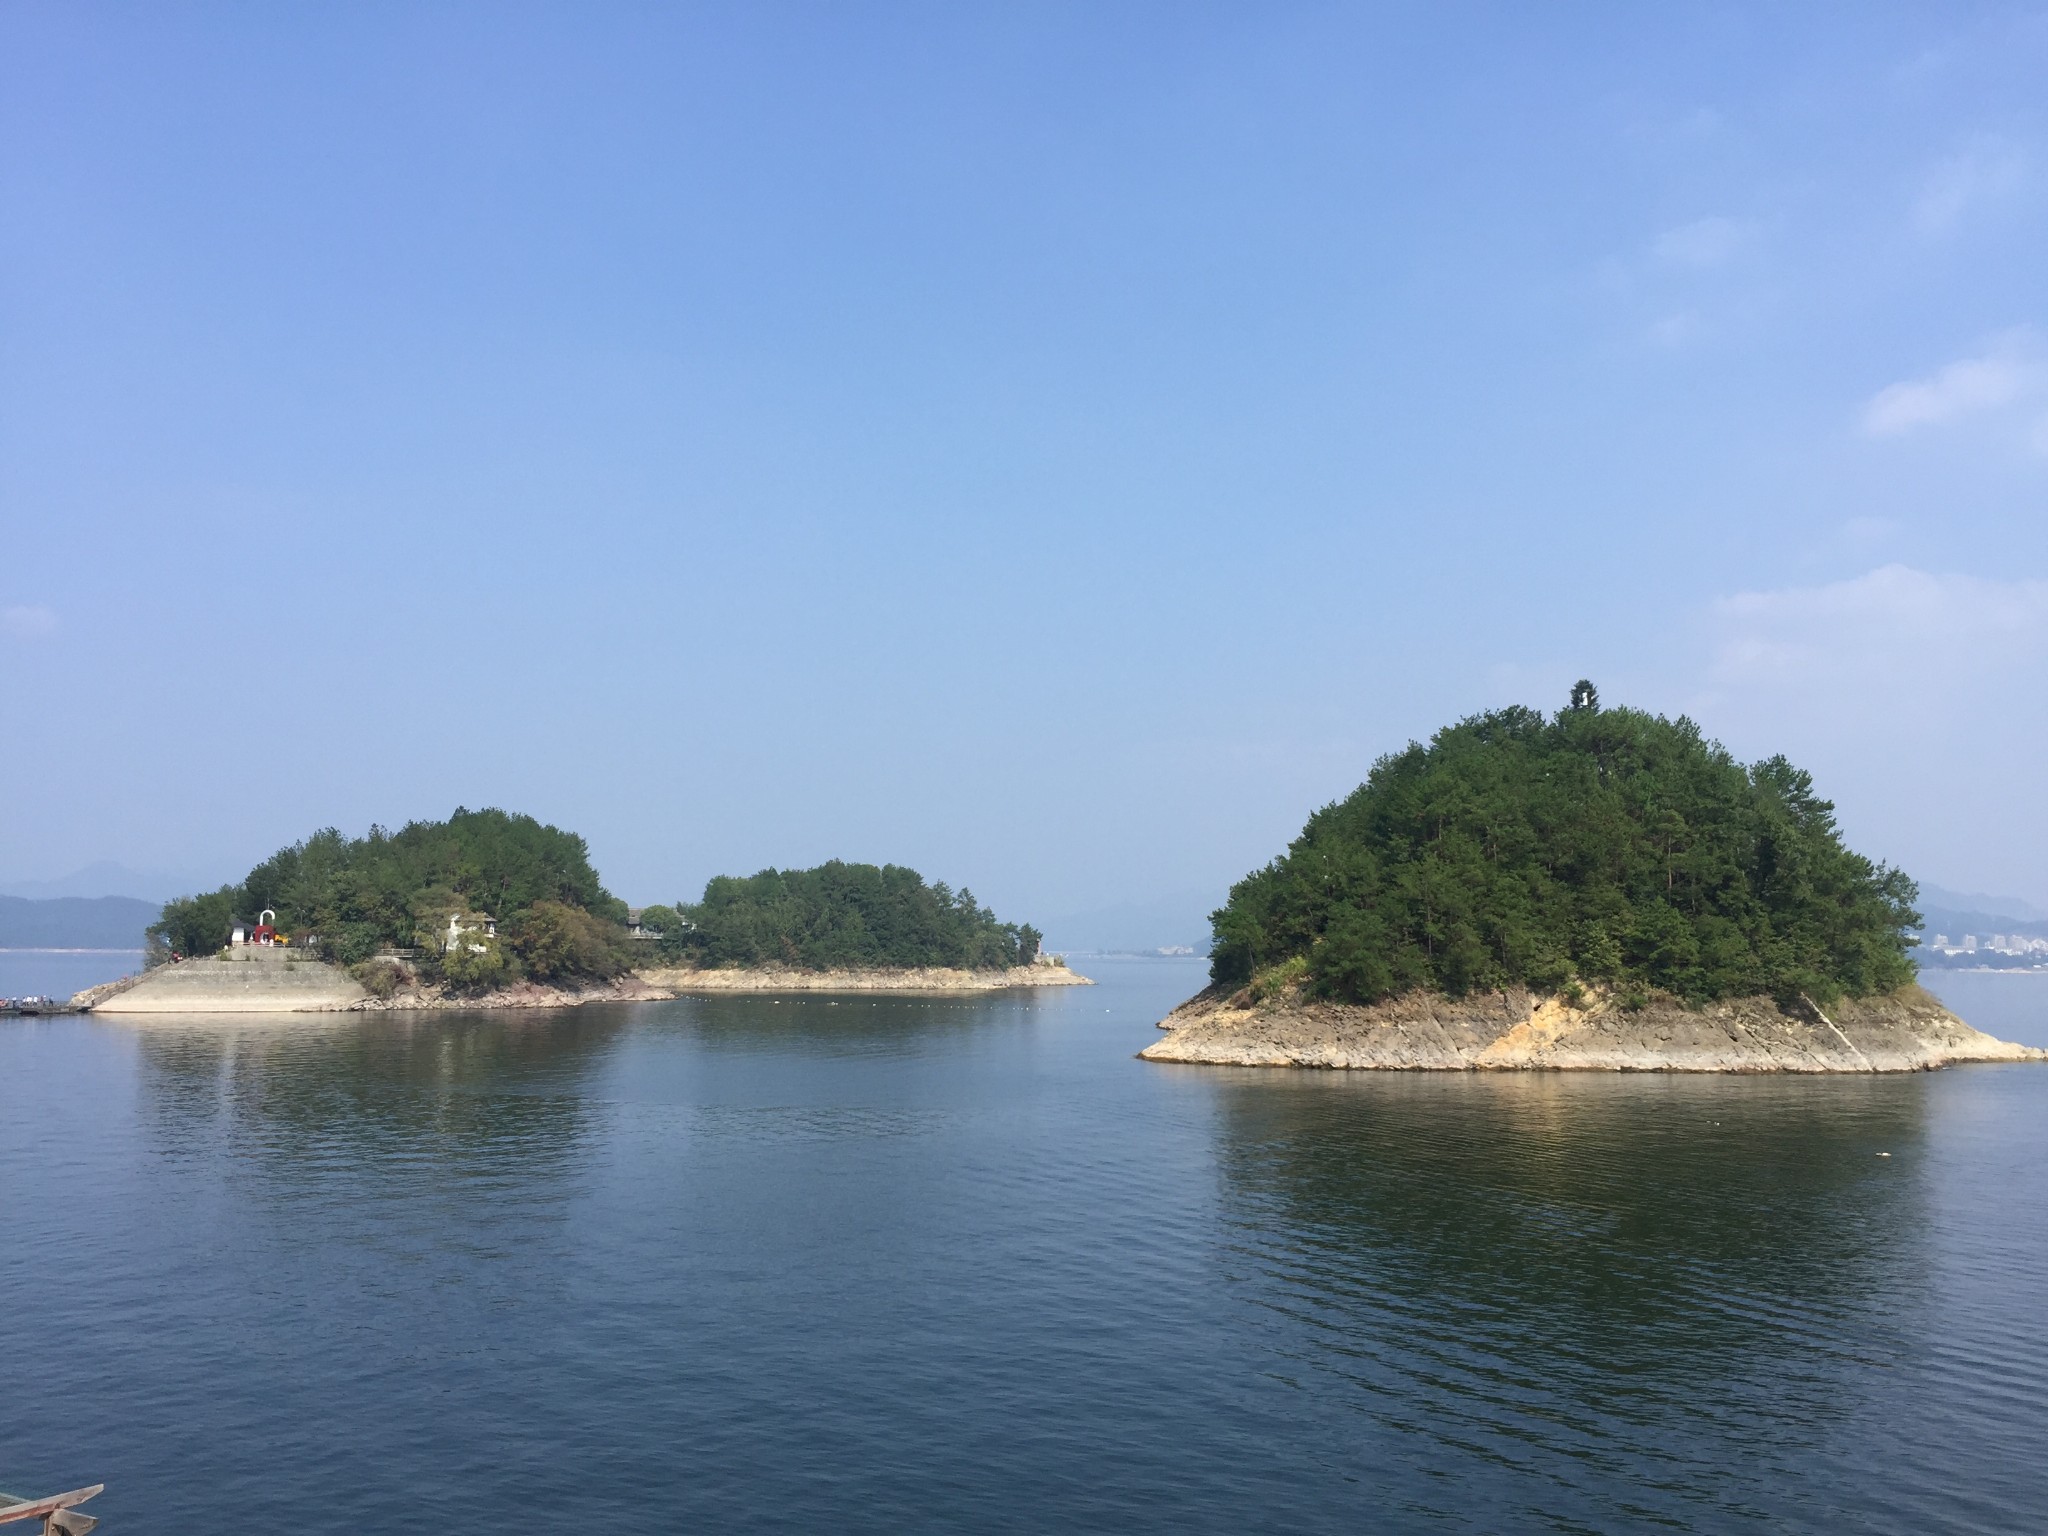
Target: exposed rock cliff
pixel 1907 1031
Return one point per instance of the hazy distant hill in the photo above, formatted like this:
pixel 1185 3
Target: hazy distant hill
pixel 1955 913
pixel 108 879
pixel 74 922
pixel 1996 910
pixel 1954 923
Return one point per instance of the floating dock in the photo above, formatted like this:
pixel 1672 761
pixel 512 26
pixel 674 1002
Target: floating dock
pixel 18 1007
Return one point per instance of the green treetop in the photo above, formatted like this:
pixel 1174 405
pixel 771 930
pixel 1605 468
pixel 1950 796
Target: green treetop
pixel 1603 845
pixel 840 915
pixel 354 897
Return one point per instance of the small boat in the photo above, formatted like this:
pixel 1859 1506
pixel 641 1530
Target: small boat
pixel 59 1512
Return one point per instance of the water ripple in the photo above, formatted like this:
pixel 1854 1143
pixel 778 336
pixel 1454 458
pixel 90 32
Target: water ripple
pixel 951 1263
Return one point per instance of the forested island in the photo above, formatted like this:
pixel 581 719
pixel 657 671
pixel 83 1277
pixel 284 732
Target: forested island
pixel 1600 887
pixel 835 917
pixel 476 902
pixel 842 924
pixel 493 908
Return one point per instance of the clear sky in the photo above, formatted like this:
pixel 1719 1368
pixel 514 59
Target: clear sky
pixel 1056 446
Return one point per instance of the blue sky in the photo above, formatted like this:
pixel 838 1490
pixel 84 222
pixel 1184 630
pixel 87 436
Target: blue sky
pixel 1054 446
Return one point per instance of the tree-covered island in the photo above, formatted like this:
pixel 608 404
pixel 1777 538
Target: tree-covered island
pixel 838 916
pixel 1598 890
pixel 1597 847
pixel 487 899
pixel 480 900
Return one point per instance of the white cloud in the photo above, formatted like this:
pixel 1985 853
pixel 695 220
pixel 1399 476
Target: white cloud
pixel 1704 242
pixel 1988 170
pixel 1961 388
pixel 28 622
pixel 1892 621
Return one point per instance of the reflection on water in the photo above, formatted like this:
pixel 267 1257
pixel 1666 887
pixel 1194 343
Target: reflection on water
pixel 849 1024
pixel 1681 1283
pixel 963 1263
pixel 456 1085
pixel 385 1156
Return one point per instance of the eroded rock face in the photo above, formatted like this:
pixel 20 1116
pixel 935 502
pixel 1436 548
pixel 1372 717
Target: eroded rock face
pixel 1907 1031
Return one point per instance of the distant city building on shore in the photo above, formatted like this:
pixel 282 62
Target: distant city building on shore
pixel 2015 945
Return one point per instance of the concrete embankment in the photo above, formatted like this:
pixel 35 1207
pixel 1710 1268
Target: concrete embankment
pixel 929 979
pixel 1907 1031
pixel 251 979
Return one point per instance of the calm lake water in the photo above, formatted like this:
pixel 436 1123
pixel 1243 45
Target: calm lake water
pixel 61 972
pixel 964 1263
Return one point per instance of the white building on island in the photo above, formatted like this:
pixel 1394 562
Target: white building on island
pixel 469 928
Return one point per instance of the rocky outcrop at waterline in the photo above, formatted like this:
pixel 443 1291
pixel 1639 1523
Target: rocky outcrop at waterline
pixel 933 978
pixel 1516 1030
pixel 415 995
pixel 259 979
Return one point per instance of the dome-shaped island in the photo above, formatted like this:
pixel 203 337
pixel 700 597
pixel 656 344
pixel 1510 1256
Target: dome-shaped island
pixel 1599 889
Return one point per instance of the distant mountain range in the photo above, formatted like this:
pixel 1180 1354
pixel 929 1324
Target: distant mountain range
pixel 107 878
pixel 1956 913
pixel 1977 901
pixel 1955 922
pixel 74 922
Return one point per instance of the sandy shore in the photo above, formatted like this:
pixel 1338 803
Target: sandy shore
pixel 1908 1031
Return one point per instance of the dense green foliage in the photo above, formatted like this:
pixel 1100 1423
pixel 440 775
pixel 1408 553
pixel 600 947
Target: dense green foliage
pixel 553 939
pixel 839 915
pixel 1603 845
pixel 355 897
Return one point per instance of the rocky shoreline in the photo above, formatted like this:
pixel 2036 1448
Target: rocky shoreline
pixel 276 981
pixel 924 979
pixel 655 984
pixel 525 994
pixel 1515 1030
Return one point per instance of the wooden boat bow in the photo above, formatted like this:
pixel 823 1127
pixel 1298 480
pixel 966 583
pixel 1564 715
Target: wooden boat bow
pixel 58 1512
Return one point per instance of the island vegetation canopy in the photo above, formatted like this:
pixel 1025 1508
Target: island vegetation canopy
pixel 354 898
pixel 839 915
pixel 1598 845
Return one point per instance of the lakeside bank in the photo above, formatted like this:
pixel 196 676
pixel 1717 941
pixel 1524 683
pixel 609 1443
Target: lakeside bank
pixel 919 979
pixel 1518 1030
pixel 255 979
